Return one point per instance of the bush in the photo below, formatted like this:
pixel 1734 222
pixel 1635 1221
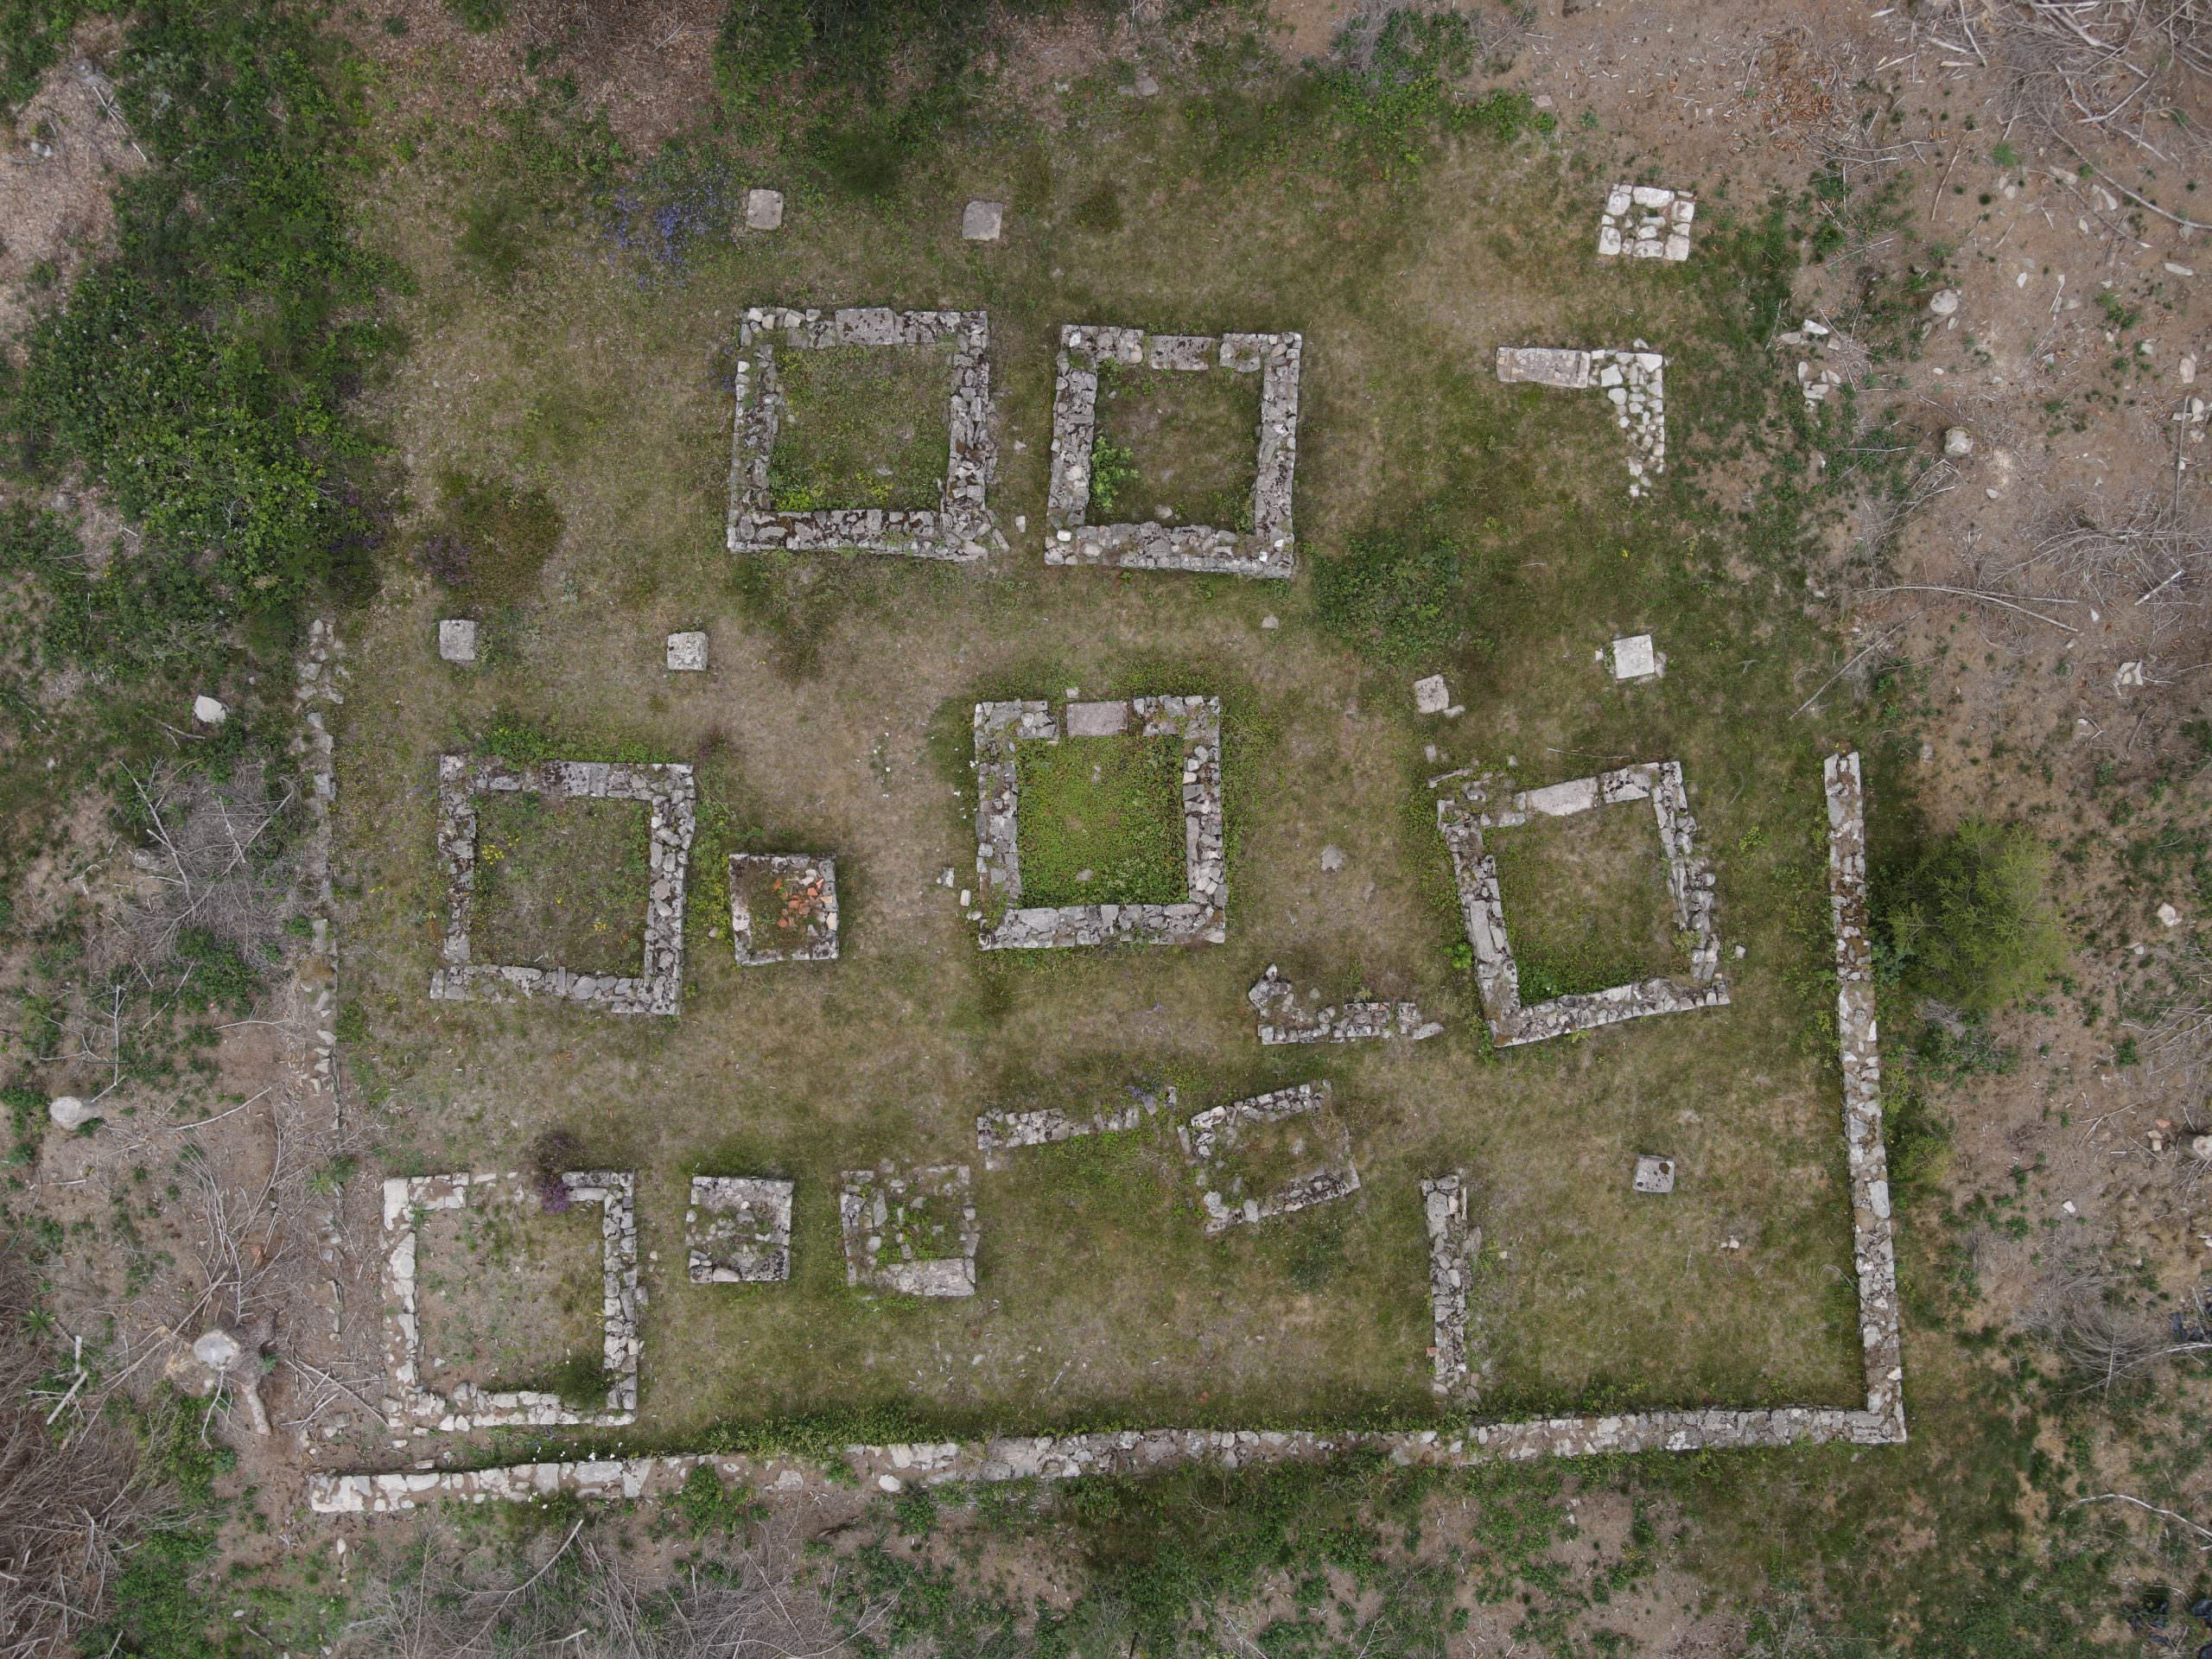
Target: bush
pixel 1970 921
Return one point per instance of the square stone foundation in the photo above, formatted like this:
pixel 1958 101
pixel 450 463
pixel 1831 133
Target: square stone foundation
pixel 896 1227
pixel 1070 538
pixel 667 790
pixel 738 1229
pixel 1001 727
pixel 1212 1136
pixel 805 930
pixel 413 1403
pixel 960 528
pixel 1463 818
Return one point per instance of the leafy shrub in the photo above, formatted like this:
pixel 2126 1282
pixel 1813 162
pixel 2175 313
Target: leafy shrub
pixel 1395 596
pixel 1113 469
pixel 492 538
pixel 31 37
pixel 1970 921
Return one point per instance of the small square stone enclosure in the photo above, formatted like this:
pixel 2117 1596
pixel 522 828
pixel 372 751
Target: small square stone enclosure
pixel 1070 539
pixel 1213 1135
pixel 667 790
pixel 960 528
pixel 1002 726
pixel 1646 221
pixel 894 1226
pixel 738 1229
pixel 812 911
pixel 1689 883
pixel 470 1407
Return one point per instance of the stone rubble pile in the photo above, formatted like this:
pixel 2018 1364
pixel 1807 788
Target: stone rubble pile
pixel 1210 1139
pixel 1283 1020
pixel 413 1403
pixel 806 928
pixel 1070 538
pixel 897 1227
pixel 670 794
pixel 1007 924
pixel 738 1229
pixel 1646 221
pixel 316 688
pixel 999 1132
pixel 1462 818
pixel 1634 382
pixel 960 528
pixel 1451 1255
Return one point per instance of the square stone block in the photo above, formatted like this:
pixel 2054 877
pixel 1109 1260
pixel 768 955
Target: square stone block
pixel 982 221
pixel 913 1234
pixel 1432 695
pixel 457 639
pixel 687 653
pixel 1635 658
pixel 738 1229
pixel 764 209
pixel 1655 1174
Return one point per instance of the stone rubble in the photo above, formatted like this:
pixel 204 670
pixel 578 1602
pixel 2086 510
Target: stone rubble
pixel 1213 1135
pixel 670 792
pixel 413 1403
pixel 1452 1255
pixel 1653 1175
pixel 1634 382
pixel 807 931
pixel 1198 919
pixel 1646 222
pixel 457 639
pixel 889 1227
pixel 1282 1020
pixel 687 653
pixel 960 529
pixel 1463 816
pixel 999 1132
pixel 1070 538
pixel 1874 1247
pixel 738 1229
pixel 316 688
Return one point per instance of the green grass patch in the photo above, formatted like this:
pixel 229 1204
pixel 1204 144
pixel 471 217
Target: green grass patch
pixel 561 884
pixel 1101 821
pixel 862 426
pixel 1586 899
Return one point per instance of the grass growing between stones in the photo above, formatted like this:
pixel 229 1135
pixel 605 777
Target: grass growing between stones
pixel 1586 904
pixel 560 884
pixel 1101 821
pixel 862 426
pixel 1185 440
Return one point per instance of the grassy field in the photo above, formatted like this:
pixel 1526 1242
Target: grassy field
pixel 862 427
pixel 1585 900
pixel 1177 445
pixel 1101 821
pixel 1450 525
pixel 560 884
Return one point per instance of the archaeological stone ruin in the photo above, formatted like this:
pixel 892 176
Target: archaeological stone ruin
pixel 1646 221
pixel 1071 538
pixel 999 1132
pixel 1210 1141
pixel 738 1231
pixel 1284 1018
pixel 799 923
pixel 912 1234
pixel 959 528
pixel 1634 382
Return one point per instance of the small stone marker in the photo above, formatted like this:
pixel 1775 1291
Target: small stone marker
pixel 687 653
pixel 209 711
pixel 67 1112
pixel 1655 1174
pixel 1432 695
pixel 216 1349
pixel 1332 858
pixel 764 209
pixel 1944 304
pixel 1635 658
pixel 981 221
pixel 2131 674
pixel 457 639
pixel 1097 718
pixel 2169 917
pixel 1957 442
pixel 1646 221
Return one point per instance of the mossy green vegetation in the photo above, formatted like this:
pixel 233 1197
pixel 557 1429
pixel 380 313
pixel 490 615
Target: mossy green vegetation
pixel 1101 821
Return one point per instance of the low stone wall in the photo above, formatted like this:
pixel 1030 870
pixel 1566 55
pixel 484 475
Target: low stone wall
pixel 882 1215
pixel 1282 1020
pixel 1634 382
pixel 414 1402
pixel 1451 1269
pixel 667 790
pixel 1646 221
pixel 1070 538
pixel 1212 1135
pixel 807 931
pixel 999 1132
pixel 1000 728
pixel 1689 884
pixel 960 529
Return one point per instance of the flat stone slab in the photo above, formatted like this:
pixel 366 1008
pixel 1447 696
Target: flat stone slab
pixel 1097 719
pixel 764 209
pixel 687 653
pixel 457 639
pixel 1634 658
pixel 1654 1175
pixel 1432 695
pixel 959 528
pixel 738 1229
pixel 982 221
pixel 1544 366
